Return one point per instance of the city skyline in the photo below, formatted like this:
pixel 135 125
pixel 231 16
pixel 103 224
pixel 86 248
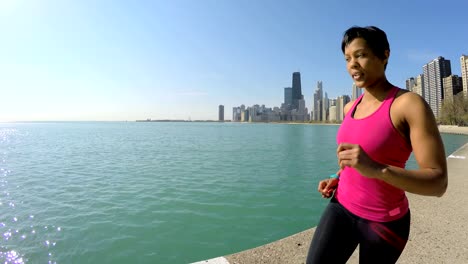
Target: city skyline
pixel 324 109
pixel 293 107
pixel 102 60
pixel 438 85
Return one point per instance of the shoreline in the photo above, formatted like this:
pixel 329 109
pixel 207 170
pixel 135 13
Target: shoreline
pixel 446 129
pixel 436 235
pixel 453 129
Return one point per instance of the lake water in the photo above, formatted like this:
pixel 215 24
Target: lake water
pixel 128 192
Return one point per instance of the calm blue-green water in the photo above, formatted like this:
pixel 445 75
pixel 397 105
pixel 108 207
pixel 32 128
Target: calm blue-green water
pixel 158 192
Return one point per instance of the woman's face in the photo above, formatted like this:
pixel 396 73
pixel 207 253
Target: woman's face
pixel 365 68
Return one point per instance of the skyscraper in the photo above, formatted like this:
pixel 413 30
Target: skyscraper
pixel 325 106
pixel 433 91
pixel 410 84
pixel 317 103
pixel 356 92
pixel 419 85
pixel 332 114
pixel 464 73
pixel 288 99
pixel 452 86
pixel 221 113
pixel 296 89
pixel 415 84
pixel 236 114
pixel 340 103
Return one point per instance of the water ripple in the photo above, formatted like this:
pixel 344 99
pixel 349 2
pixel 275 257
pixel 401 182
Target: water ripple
pixel 153 192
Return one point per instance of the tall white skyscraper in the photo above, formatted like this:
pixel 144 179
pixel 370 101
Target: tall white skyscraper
pixel 410 83
pixel 464 73
pixel 288 99
pixel 419 85
pixel 341 101
pixel 325 106
pixel 356 92
pixel 415 85
pixel 433 91
pixel 333 114
pixel 317 103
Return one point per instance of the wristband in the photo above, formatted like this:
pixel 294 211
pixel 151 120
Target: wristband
pixel 334 176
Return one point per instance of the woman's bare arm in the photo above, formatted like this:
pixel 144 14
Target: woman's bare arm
pixel 431 177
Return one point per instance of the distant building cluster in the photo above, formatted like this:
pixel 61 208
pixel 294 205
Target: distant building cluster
pixel 325 109
pixel 437 83
pixel 293 108
pixel 256 113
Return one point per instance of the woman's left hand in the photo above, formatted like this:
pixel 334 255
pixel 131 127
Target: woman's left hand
pixel 352 155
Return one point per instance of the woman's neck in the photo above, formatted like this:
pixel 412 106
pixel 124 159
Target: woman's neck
pixel 378 91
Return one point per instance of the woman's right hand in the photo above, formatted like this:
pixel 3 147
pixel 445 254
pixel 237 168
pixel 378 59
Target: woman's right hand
pixel 326 187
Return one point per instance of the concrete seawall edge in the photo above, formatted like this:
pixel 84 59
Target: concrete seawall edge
pixel 437 228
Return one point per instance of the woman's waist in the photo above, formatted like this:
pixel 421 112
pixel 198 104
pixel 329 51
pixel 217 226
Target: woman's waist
pixel 376 202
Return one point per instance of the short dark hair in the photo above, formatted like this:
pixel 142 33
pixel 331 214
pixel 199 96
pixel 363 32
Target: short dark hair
pixel 375 38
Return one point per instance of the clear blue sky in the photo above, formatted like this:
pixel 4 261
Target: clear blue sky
pixel 127 60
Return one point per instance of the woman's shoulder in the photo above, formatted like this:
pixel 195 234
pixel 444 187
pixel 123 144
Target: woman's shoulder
pixel 348 106
pixel 404 98
pixel 408 103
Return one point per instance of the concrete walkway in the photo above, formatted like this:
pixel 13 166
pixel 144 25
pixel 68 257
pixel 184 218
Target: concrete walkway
pixel 439 228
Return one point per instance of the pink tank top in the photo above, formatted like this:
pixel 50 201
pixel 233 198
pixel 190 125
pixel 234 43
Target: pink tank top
pixel 373 199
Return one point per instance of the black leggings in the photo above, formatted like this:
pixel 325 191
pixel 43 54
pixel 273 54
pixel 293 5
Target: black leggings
pixel 339 232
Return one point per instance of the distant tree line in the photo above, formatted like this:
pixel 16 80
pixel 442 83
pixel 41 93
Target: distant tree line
pixel 455 112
